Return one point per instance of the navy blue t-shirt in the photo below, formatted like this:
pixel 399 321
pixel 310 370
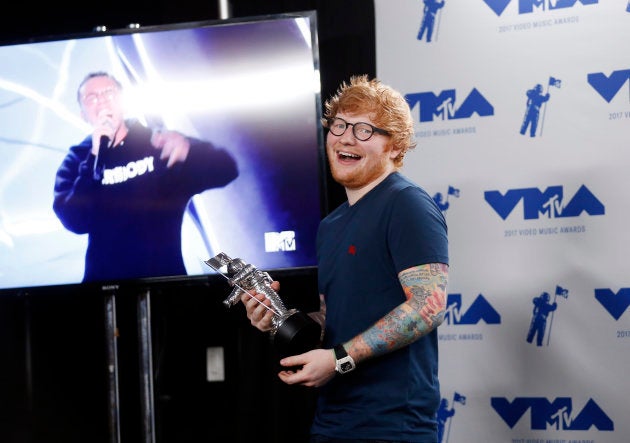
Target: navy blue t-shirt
pixel 361 250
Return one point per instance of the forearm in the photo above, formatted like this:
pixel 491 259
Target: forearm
pixel 423 311
pixel 320 316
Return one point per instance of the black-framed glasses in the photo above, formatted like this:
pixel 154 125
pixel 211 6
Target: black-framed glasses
pixel 362 131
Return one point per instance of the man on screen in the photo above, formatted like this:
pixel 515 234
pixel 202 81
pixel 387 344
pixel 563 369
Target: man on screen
pixel 127 186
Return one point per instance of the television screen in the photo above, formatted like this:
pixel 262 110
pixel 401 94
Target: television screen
pixel 220 151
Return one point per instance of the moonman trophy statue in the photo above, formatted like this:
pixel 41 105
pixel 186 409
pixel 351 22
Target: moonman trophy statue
pixel 293 332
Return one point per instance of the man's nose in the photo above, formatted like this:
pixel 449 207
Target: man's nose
pixel 348 135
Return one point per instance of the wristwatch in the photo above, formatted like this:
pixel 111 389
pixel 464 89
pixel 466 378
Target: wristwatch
pixel 344 363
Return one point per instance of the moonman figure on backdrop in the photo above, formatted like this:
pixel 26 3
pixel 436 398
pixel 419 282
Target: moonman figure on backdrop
pixel 431 9
pixel 442 203
pixel 127 186
pixel 382 276
pixel 535 99
pixel 538 325
pixel 444 414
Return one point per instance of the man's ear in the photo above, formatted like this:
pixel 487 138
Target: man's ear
pixel 394 152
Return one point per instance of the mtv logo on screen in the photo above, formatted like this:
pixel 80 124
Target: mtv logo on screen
pixel 279 241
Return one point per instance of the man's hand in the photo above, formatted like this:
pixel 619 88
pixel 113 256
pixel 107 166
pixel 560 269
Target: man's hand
pixel 317 367
pixel 104 127
pixel 258 308
pixel 174 146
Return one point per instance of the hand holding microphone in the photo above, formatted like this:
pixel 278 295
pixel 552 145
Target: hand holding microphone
pixel 102 138
pixel 104 132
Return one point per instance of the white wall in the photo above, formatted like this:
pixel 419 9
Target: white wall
pixel 485 55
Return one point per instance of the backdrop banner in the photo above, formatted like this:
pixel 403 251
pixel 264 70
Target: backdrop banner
pixel 522 111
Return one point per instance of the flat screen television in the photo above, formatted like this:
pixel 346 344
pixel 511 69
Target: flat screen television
pixel 250 86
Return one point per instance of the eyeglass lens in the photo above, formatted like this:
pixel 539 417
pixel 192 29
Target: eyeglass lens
pixel 98 96
pixel 362 131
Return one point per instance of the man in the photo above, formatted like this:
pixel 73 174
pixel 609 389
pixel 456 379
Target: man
pixel 382 275
pixel 127 187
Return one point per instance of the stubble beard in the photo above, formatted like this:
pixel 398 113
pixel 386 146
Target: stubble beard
pixel 359 176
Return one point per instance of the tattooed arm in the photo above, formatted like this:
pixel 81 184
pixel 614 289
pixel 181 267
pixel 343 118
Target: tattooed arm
pixel 423 311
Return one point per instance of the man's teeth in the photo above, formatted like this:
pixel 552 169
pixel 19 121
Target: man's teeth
pixel 347 154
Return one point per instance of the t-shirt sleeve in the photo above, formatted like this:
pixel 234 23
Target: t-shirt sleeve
pixel 417 231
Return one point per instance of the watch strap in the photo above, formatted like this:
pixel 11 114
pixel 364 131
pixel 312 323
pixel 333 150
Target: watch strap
pixel 340 352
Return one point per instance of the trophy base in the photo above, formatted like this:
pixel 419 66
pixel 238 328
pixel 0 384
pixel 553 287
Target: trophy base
pixel 296 334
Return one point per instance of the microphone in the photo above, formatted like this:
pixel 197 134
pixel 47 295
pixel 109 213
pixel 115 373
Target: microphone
pixel 98 168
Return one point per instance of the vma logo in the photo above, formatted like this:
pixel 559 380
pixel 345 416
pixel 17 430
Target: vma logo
pixel 443 105
pixel 479 310
pixel 280 241
pixel 548 202
pixel 608 87
pixel 529 6
pixel 558 414
pixel 615 304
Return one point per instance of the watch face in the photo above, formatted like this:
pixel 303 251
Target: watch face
pixel 346 366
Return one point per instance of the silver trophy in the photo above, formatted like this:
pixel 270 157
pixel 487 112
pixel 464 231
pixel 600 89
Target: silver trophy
pixel 292 332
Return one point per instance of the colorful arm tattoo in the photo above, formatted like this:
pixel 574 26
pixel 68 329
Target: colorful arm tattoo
pixel 423 311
